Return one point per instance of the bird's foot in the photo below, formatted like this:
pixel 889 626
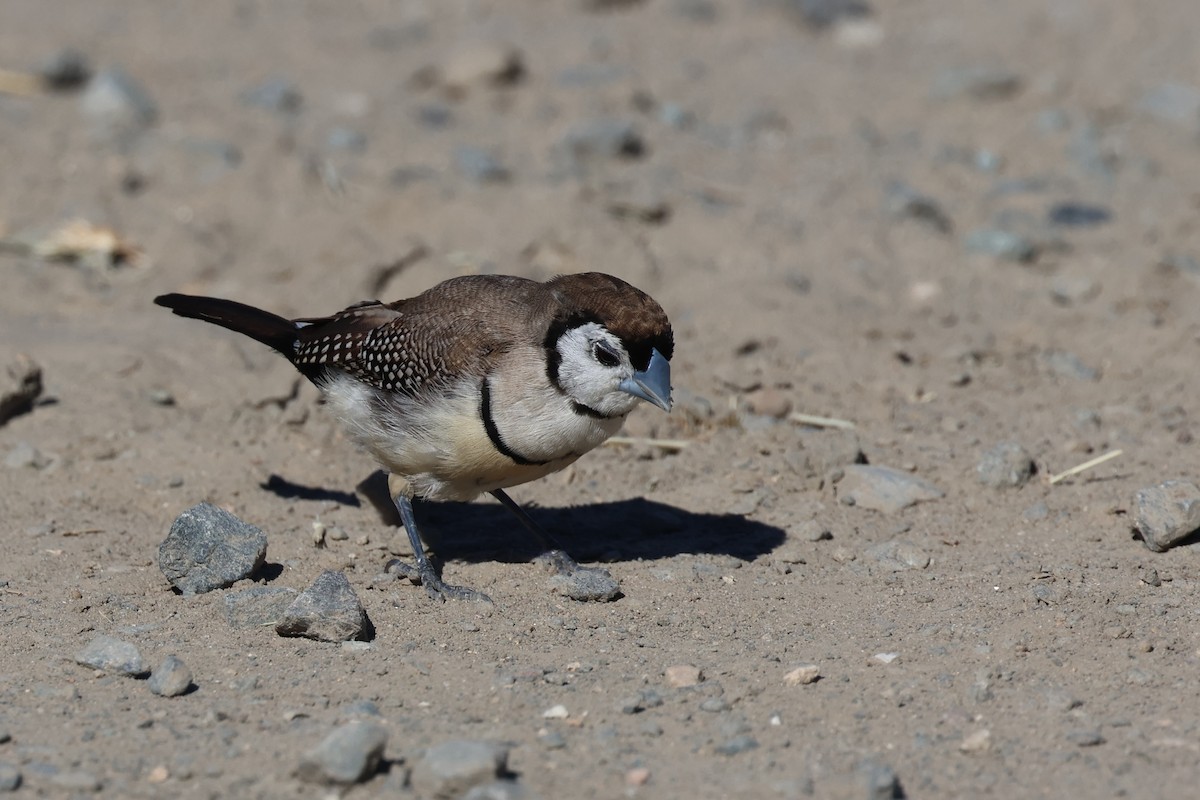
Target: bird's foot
pixel 435 587
pixel 579 583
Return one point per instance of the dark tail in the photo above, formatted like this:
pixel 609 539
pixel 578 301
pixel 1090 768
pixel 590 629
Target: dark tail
pixel 263 326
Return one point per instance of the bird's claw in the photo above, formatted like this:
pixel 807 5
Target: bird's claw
pixel 435 587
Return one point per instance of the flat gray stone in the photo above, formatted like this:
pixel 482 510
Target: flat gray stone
pixel 10 778
pixel 258 606
pixel 329 610
pixel 171 678
pixel 897 554
pixel 1004 466
pixel 1166 513
pixel 115 104
pixel 884 488
pixel 350 754
pixel 451 769
pixel 112 655
pixel 586 583
pixel 209 548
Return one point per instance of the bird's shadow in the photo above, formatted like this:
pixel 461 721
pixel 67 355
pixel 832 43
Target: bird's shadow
pixel 621 530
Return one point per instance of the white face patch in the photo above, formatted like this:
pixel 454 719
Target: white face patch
pixel 593 365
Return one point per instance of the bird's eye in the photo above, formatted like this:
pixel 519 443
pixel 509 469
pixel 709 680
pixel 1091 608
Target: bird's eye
pixel 604 353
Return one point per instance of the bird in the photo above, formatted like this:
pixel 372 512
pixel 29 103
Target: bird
pixel 476 385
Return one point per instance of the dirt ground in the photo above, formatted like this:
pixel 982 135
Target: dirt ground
pixel 953 224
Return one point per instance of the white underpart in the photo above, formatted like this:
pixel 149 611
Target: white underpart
pixel 439 443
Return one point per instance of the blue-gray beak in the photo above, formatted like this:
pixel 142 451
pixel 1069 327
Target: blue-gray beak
pixel 652 384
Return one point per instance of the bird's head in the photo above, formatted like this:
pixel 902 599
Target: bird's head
pixel 609 345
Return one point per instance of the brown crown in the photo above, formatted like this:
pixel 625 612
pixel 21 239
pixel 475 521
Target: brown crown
pixel 628 312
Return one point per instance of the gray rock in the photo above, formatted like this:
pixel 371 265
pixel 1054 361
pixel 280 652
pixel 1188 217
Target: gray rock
pixel 1166 513
pixel 1078 215
pixel 500 790
pixel 209 548
pixel 883 488
pixel 76 780
pixel 20 386
pixel 1005 465
pixel 23 455
pixel 897 554
pixel 902 201
pixel 980 82
pixel 346 140
pixel 880 781
pixel 822 14
pixel 171 678
pixel 1172 102
pixel 481 63
pixel 1065 364
pixel 603 138
pixel 275 94
pixel 1002 244
pixel 479 166
pixel 737 744
pixel 329 611
pixel 258 606
pixel 350 754
pixel 116 105
pixel 586 583
pixel 10 777
pixel 453 768
pixel 65 70
pixel 1088 738
pixel 112 655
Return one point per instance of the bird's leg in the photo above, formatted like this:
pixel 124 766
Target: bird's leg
pixel 424 572
pixel 554 555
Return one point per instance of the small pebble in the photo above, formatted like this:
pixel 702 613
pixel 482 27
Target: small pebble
pixel 10 777
pixel 736 745
pixel 886 658
pixel 23 455
pixel 479 166
pixel 638 776
pixel 681 675
pixel 171 678
pixel 350 754
pixel 556 712
pixel 1086 738
pixel 552 740
pixel 20 386
pixel 587 584
pixel 802 675
pixel 65 70
pixel 1006 465
pixel 76 780
pixel 768 402
pixel 112 655
pixel 715 705
pixel 452 768
pixel 898 554
pixel 277 94
pixel 116 105
pixel 1166 513
pixel 976 742
pixel 1002 244
pixel 481 63
pixel 329 611
pixel 883 489
pixel 208 548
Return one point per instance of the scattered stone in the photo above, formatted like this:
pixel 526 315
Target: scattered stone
pixel 259 606
pixel 681 675
pixel 1167 513
pixel 76 780
pixel 880 781
pixel 346 140
pixel 500 790
pixel 977 742
pixel 552 740
pixel 1006 465
pixel 883 488
pixel 277 94
pixel 452 768
pixel 1173 102
pixel 977 82
pixel 10 777
pixel 1065 364
pixel 1086 738
pixel 20 386
pixel 65 70
pixel 481 63
pixel 715 705
pixel 329 611
pixel 172 678
pixel 586 584
pixel 23 455
pixel 638 776
pixel 479 166
pixel 802 675
pixel 737 744
pixel 1002 244
pixel 769 402
pixel 556 712
pixel 116 105
pixel 885 658
pixel 112 655
pixel 902 201
pixel 603 138
pixel 1078 215
pixel 1070 290
pixel 897 554
pixel 822 14
pixel 209 548
pixel 350 754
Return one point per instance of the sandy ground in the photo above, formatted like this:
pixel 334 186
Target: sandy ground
pixel 807 204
